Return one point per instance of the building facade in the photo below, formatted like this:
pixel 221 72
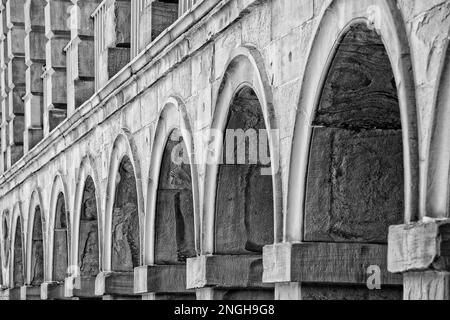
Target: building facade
pixel 349 104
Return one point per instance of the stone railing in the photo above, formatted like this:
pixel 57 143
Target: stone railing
pixel 112 39
pixel 151 17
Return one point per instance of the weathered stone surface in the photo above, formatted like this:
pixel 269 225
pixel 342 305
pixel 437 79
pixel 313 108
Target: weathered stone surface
pixel 273 40
pixel 355 185
pixel 174 235
pixel 125 221
pixel 429 285
pixel 349 293
pixel 169 279
pixel 239 271
pixel 244 201
pixel 18 275
pixel 419 247
pixel 37 253
pixel 60 241
pixel 317 263
pixel 88 248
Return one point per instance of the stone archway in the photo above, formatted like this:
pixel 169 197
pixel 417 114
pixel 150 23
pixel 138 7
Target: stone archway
pixel 125 251
pixel 354 188
pixel 18 278
pixel 174 221
pixel 88 247
pixel 244 199
pixel 37 249
pixel 60 240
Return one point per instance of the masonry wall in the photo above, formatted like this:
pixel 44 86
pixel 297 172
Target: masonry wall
pixel 274 37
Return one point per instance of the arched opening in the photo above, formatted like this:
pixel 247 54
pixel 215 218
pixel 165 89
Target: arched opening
pixel 37 250
pixel 5 235
pixel 18 268
pixel 60 240
pixel 88 250
pixel 244 198
pixel 125 254
pixel 355 176
pixel 174 223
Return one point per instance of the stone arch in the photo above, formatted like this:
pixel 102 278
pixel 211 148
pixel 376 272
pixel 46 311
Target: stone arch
pixel 36 250
pixel 336 19
pixel 438 173
pixel 17 265
pixel 245 69
pixel 172 117
pixel 123 161
pixel 58 231
pixel 86 249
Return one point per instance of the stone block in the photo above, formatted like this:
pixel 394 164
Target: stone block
pixel 419 247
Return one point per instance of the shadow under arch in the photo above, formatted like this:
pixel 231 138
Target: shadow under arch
pixel 59 231
pixel 173 118
pixel 123 162
pixel 336 19
pixel 36 250
pixel 18 254
pixel 245 70
pixel 85 257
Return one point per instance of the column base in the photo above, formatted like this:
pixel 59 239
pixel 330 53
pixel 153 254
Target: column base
pixel 80 287
pixel 14 293
pixel 420 252
pixel 115 284
pixel 30 293
pixel 52 291
pixel 162 281
pixel 330 271
pixel 218 277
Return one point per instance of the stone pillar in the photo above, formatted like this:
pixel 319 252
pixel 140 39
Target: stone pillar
pixel 57 31
pixel 4 88
pixel 16 79
pixel 80 54
pixel 35 41
pixel 112 20
pixel 420 252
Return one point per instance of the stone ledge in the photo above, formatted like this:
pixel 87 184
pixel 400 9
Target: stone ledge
pixel 13 294
pixel 82 287
pixel 160 279
pixel 52 290
pixel 326 263
pixel 419 246
pixel 244 271
pixel 30 293
pixel 114 284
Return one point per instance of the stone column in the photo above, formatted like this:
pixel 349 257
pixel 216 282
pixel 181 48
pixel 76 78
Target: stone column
pixel 35 41
pixel 57 31
pixel 16 78
pixel 80 54
pixel 420 252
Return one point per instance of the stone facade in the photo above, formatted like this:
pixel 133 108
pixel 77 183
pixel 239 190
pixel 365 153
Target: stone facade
pixel 353 93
